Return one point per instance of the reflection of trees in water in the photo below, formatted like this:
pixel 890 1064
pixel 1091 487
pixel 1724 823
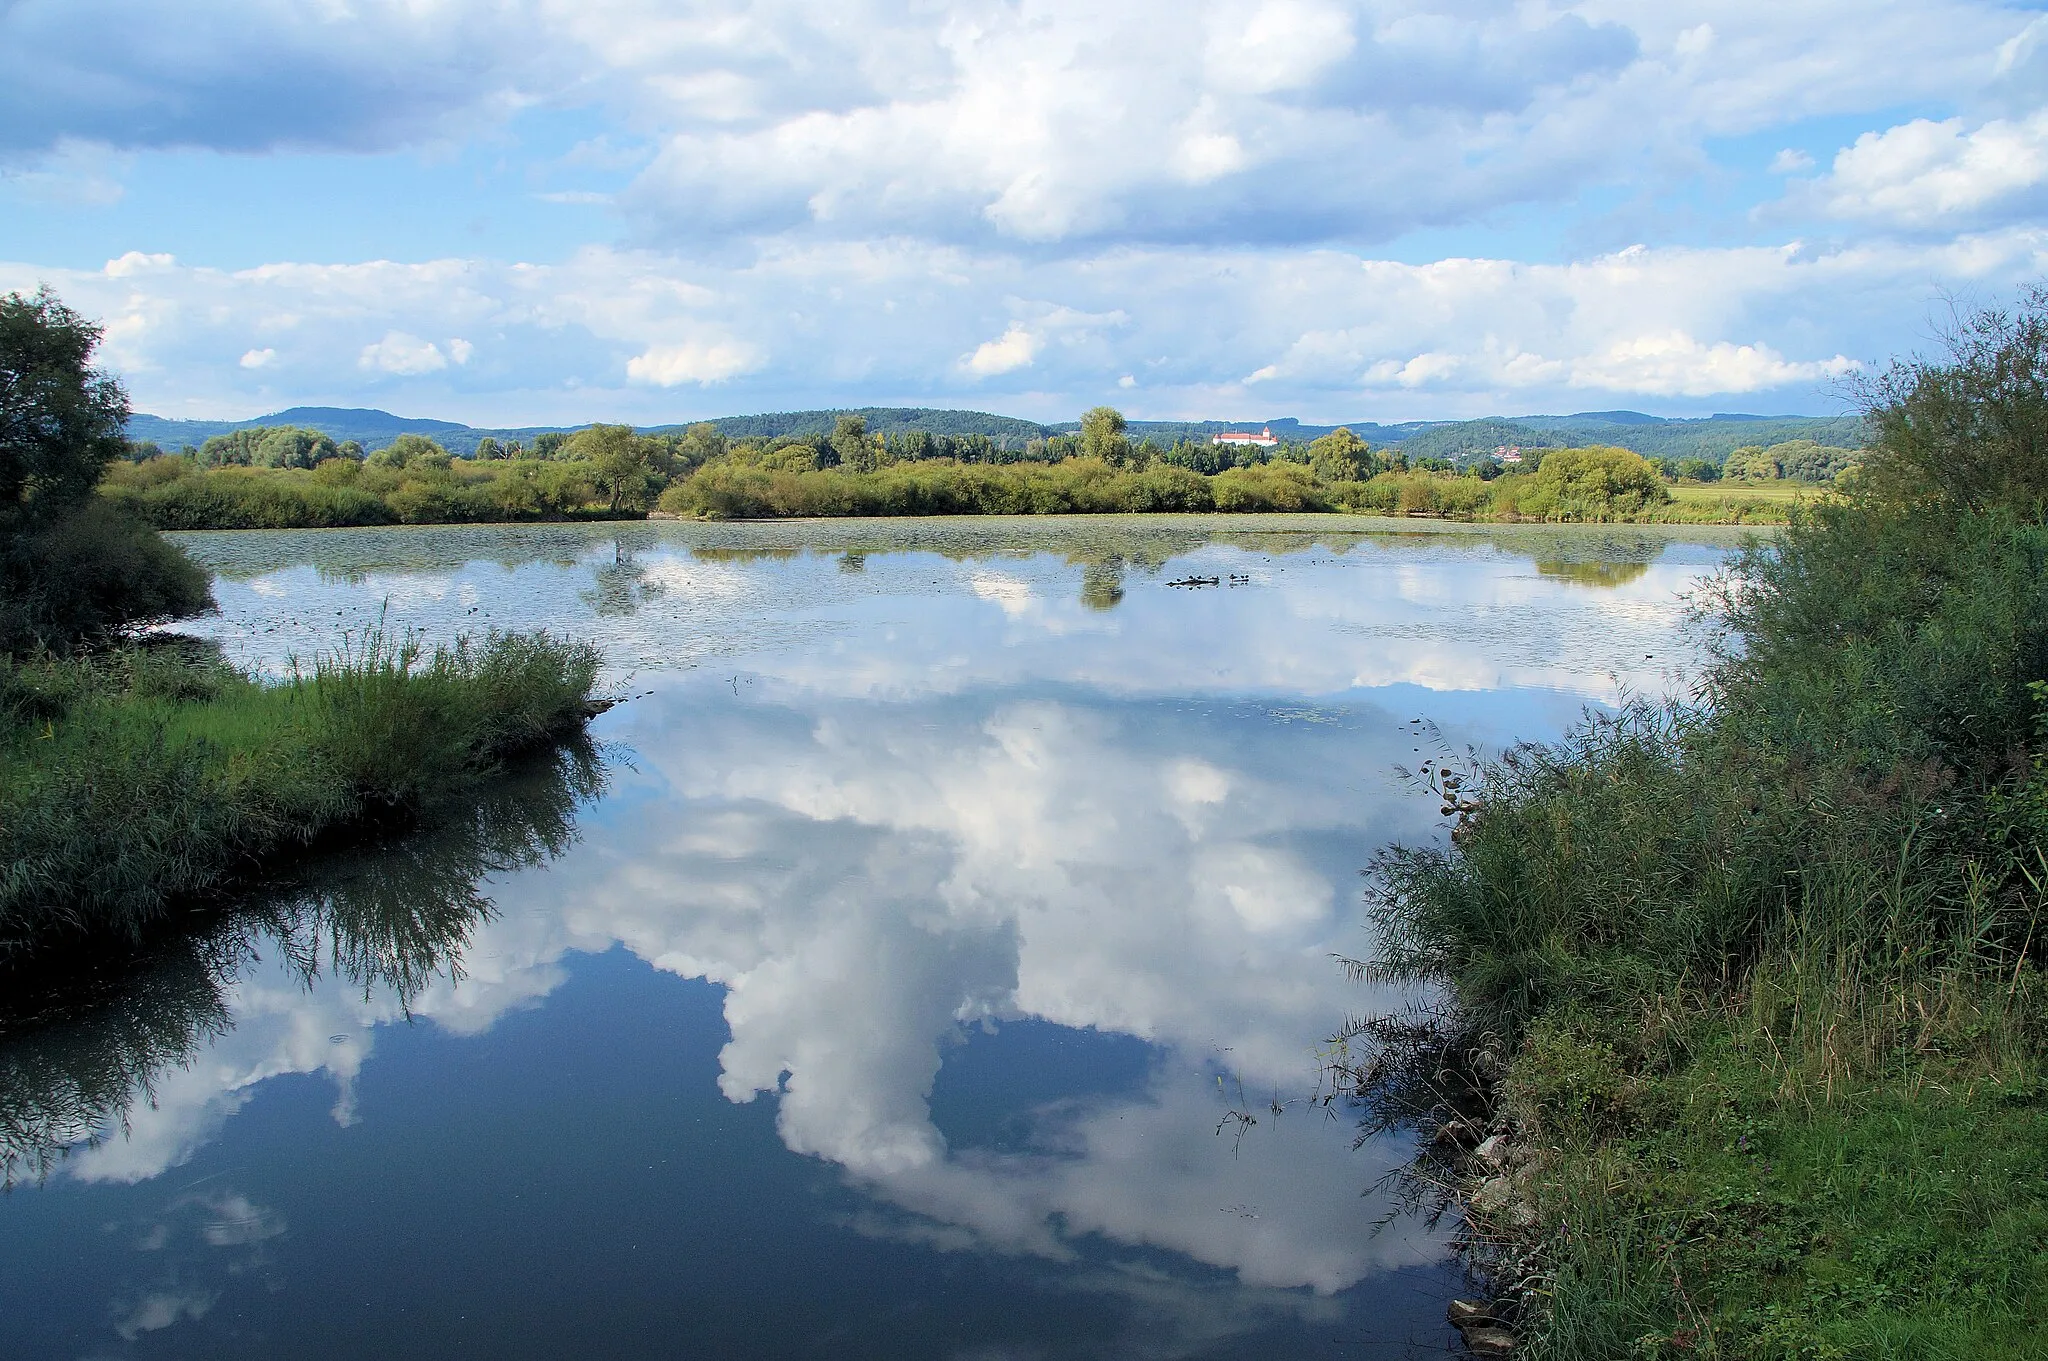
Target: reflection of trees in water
pixel 76 1054
pixel 620 587
pixel 1593 573
pixel 1102 583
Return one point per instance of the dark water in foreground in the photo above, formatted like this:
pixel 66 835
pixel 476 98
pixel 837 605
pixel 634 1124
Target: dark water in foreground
pixel 882 985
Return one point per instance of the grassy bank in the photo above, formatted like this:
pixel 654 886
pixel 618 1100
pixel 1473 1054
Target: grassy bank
pixel 1752 985
pixel 134 781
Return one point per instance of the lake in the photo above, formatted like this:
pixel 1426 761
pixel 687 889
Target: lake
pixel 932 958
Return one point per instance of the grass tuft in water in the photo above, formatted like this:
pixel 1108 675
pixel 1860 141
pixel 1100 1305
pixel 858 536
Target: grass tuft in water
pixel 135 781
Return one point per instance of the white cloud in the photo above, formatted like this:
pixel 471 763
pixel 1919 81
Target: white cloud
pixel 1323 334
pixel 695 361
pixel 258 359
pixel 1674 364
pixel 403 354
pixel 1926 174
pixel 1013 349
pixel 1791 161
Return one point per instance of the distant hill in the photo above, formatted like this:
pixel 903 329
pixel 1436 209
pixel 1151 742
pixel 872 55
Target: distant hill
pixel 375 429
pixel 882 420
pixel 1710 437
pixel 370 428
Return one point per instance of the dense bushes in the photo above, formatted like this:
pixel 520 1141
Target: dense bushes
pixel 1785 927
pixel 608 471
pixel 133 780
pixel 171 492
pixel 1073 486
pixel 1577 485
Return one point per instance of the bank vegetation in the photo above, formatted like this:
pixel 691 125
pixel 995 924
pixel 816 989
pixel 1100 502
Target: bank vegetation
pixel 288 478
pixel 1746 991
pixel 139 773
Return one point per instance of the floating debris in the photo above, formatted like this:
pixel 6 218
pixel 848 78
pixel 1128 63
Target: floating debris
pixel 1193 582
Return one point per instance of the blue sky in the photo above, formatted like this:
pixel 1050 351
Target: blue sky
pixel 523 211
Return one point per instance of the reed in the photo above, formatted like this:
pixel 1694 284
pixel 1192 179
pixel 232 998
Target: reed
pixel 134 782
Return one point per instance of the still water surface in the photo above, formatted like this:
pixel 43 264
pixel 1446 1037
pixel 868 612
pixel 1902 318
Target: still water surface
pixel 881 985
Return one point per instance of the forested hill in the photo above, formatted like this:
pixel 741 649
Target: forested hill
pixel 881 420
pixel 1652 436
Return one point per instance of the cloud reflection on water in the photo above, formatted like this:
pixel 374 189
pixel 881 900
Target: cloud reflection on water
pixel 936 794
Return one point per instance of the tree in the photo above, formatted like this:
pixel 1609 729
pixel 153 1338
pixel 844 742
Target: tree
pixel 414 453
pixel 700 444
pixel 489 448
pixel 1970 431
pixel 850 441
pixel 1340 456
pixel 73 569
pixel 1102 435
pixel 1601 482
pixel 61 420
pixel 618 459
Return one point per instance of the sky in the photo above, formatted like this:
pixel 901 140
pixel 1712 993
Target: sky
pixel 512 212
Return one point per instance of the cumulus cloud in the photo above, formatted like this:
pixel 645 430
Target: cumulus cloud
pixel 402 354
pixel 1323 334
pixel 1675 364
pixel 244 77
pixel 1013 349
pixel 696 361
pixel 1927 174
pixel 1160 120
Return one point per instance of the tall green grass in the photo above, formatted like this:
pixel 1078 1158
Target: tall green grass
pixel 1764 966
pixel 136 781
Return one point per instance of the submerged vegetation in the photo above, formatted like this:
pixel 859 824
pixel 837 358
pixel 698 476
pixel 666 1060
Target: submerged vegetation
pixel 1751 986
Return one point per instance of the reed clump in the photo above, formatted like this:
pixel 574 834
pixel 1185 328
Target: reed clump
pixel 1754 981
pixel 134 782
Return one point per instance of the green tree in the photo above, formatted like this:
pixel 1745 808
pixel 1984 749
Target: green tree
pixel 1970 430
pixel 618 460
pixel 1103 437
pixel 850 441
pixel 414 453
pixel 61 420
pixel 489 448
pixel 1751 463
pixel 1601 482
pixel 700 444
pixel 73 569
pixel 1340 456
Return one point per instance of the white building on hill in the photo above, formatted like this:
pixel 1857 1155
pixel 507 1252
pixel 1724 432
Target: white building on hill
pixel 1264 438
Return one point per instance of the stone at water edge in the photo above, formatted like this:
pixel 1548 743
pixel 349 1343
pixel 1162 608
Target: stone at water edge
pixel 1489 1341
pixel 1468 1313
pixel 1456 1134
pixel 1494 1150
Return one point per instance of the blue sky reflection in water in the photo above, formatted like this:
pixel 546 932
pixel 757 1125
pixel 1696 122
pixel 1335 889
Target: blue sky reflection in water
pixel 953 884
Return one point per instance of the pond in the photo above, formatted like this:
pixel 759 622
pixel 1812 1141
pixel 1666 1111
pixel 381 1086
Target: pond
pixel 932 958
